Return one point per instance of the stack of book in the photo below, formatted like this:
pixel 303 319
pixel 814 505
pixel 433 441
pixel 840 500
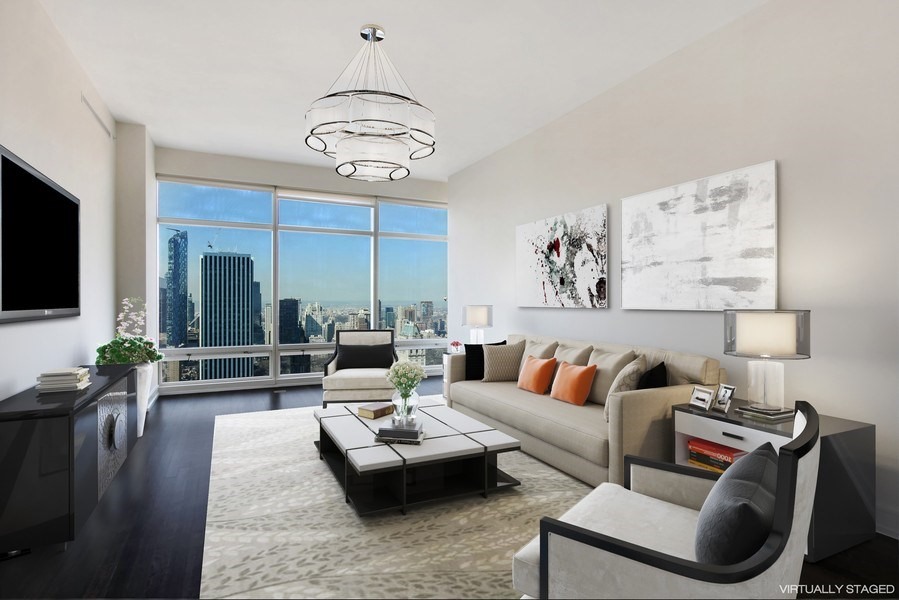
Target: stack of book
pixel 712 456
pixel 64 380
pixel 771 415
pixel 406 432
pixel 375 410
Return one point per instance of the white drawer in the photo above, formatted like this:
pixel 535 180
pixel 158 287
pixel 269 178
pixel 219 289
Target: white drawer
pixel 727 434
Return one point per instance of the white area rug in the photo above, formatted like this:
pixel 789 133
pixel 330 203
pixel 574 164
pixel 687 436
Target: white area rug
pixel 277 525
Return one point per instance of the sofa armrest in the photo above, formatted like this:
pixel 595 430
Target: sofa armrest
pixel 640 424
pixel 677 484
pixel 455 366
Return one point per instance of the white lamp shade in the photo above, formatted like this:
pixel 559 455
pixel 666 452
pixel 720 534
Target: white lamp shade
pixel 477 315
pixel 767 334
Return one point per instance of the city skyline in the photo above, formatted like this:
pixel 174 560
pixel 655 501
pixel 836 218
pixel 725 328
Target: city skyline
pixel 331 264
pixel 430 267
pixel 216 278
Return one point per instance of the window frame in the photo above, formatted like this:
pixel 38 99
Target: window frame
pixel 275 350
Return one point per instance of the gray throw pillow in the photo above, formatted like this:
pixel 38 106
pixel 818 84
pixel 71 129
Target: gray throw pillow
pixel 501 362
pixel 737 515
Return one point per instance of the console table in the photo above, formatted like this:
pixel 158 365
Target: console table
pixel 843 512
pixel 59 452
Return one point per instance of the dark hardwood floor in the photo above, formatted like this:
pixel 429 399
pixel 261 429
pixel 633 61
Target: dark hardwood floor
pixel 145 538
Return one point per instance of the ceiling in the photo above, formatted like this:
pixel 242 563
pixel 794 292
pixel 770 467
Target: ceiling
pixel 236 76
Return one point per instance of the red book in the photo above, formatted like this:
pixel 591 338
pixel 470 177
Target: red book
pixel 714 451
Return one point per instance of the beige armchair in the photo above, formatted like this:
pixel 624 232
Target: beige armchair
pixel 357 371
pixel 641 540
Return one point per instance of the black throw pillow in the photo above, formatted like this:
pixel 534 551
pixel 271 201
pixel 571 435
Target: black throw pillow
pixel 737 515
pixel 364 357
pixel 656 377
pixel 474 360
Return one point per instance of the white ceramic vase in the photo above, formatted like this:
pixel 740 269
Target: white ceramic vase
pixel 144 385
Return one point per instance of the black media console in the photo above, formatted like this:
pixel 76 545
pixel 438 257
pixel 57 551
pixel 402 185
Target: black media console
pixel 59 452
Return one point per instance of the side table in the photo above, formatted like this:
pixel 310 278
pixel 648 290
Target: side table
pixel 843 512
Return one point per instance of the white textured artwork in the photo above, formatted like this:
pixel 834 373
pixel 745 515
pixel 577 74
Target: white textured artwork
pixel 709 244
pixel 562 261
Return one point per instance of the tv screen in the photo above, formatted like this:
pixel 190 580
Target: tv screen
pixel 39 244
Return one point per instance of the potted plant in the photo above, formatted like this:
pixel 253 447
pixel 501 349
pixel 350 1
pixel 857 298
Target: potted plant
pixel 405 377
pixel 130 346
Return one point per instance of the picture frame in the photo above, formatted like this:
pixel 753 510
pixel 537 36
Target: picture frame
pixel 702 397
pixel 724 397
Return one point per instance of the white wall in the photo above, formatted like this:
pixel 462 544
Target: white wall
pixel 44 121
pixel 811 85
pixel 136 239
pixel 184 163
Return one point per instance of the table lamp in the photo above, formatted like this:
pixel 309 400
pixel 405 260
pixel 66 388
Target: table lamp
pixel 477 316
pixel 767 334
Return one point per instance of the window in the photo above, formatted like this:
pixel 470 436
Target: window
pixel 412 278
pixel 254 282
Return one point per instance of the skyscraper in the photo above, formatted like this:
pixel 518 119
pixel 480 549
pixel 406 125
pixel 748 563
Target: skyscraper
pixel 289 321
pixel 267 319
pixel 427 311
pixel 258 330
pixel 409 313
pixel 389 317
pixel 226 311
pixel 363 319
pixel 176 291
pixel 313 319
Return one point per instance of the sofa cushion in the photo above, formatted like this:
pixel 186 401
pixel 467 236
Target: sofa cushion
pixel 537 374
pixel 357 379
pixel 352 356
pixel 501 363
pixel 608 365
pixel 655 377
pixel 573 355
pixel 580 430
pixel 683 367
pixel 474 360
pixel 737 515
pixel 626 380
pixel 572 383
pixel 538 350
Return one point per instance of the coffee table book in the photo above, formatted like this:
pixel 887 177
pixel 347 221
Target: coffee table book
pixel 375 410
pixel 395 440
pixel 403 430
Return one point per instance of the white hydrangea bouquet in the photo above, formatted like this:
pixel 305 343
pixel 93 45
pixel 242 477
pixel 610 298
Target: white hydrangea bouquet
pixel 405 377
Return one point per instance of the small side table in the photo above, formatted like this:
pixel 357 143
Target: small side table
pixel 843 513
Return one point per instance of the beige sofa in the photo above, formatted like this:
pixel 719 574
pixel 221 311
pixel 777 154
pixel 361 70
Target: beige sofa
pixel 579 439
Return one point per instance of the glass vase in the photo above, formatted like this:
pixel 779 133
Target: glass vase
pixel 404 409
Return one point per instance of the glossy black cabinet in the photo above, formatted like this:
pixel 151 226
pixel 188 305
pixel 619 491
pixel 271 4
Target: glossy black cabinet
pixel 58 454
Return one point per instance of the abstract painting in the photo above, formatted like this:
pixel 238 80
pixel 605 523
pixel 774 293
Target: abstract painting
pixel 562 261
pixel 708 244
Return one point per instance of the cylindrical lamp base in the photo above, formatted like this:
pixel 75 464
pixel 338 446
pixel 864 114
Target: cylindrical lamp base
pixel 766 384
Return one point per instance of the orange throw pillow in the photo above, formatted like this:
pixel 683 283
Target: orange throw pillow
pixel 536 374
pixel 573 383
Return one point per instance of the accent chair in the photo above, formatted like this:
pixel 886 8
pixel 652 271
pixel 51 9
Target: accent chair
pixel 357 371
pixel 642 539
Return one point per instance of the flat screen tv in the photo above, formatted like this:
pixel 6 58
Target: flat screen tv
pixel 39 245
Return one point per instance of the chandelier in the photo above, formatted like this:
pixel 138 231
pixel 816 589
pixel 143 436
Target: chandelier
pixel 369 121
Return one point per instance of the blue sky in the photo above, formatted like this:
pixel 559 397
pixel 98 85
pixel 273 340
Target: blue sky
pixel 314 266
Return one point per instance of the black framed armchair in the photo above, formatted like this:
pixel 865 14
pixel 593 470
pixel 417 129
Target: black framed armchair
pixel 642 539
pixel 357 371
